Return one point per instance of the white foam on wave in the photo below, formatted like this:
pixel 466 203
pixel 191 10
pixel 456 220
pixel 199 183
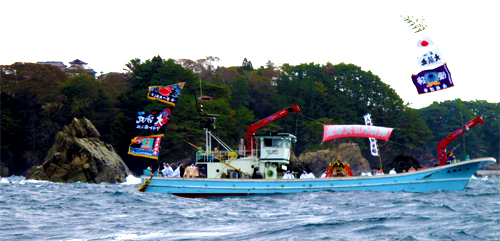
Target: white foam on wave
pixel 482 178
pixel 31 181
pixel 129 236
pixel 4 180
pixel 132 180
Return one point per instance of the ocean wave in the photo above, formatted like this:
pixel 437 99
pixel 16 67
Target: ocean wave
pixel 132 180
pixel 41 210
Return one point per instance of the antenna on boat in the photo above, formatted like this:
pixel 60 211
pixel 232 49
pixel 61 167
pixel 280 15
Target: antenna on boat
pixel 461 119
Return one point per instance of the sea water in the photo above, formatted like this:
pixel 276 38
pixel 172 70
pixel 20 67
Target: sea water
pixel 40 210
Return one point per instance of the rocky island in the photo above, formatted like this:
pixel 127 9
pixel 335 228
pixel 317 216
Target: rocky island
pixel 79 155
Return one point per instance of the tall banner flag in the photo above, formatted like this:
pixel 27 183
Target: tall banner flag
pixel 331 132
pixel 428 81
pixel 153 121
pixel 373 141
pixel 166 93
pixel 145 146
pixel 430 58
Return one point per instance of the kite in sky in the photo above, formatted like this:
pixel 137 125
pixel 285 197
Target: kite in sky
pixel 436 75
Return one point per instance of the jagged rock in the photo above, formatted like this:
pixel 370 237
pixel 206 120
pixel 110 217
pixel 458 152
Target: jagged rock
pixel 78 155
pixel 318 161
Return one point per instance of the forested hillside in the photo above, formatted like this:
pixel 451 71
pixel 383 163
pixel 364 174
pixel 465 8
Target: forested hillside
pixel 38 100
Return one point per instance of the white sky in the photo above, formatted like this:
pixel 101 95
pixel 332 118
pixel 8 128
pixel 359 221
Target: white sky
pixel 370 34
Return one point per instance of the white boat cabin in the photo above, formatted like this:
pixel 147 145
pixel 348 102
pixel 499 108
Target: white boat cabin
pixel 269 160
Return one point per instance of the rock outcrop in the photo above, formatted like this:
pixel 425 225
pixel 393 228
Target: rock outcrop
pixel 318 161
pixel 79 155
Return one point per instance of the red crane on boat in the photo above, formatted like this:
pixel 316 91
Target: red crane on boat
pixel 441 146
pixel 255 126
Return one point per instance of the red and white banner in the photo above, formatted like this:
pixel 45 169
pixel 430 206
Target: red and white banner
pixel 343 131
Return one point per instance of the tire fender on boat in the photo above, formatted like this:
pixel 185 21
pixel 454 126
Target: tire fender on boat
pixel 270 173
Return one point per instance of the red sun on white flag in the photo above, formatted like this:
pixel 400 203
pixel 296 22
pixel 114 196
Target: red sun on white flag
pixel 427 41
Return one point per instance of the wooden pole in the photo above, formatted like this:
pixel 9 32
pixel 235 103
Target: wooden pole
pixel 381 166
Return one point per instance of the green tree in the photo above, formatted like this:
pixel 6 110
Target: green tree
pixel 247 65
pixel 443 118
pixel 31 110
pixel 85 97
pixel 239 93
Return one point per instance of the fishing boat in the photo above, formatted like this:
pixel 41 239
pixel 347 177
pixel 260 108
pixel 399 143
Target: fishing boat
pixel 258 169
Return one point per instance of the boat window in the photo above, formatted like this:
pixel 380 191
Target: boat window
pixel 276 143
pixel 268 142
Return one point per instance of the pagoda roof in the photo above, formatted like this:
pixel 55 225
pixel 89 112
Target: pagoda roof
pixel 77 61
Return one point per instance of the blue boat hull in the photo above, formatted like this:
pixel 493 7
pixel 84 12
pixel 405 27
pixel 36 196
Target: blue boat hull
pixel 453 177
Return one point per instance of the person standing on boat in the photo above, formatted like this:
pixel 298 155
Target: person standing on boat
pixel 181 170
pixel 323 175
pixel 170 171
pixel 196 171
pixel 303 175
pixel 310 175
pixel 288 175
pixel 187 171
pixel 411 169
pixel 190 171
pixel 150 169
pixel 164 170
pixel 379 172
pixel 177 172
pixel 167 170
pixel 450 157
pixel 392 172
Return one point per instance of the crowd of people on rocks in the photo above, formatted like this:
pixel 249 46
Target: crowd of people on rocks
pixel 167 171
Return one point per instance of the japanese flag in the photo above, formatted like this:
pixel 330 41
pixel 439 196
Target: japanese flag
pixel 427 41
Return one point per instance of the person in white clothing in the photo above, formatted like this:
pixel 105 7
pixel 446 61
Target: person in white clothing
pixel 177 172
pixel 288 175
pixel 323 175
pixel 303 175
pixel 392 172
pixel 310 175
pixel 170 171
pixel 285 176
pixel 164 170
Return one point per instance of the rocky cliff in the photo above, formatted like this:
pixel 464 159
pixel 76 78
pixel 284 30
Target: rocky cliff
pixel 79 155
pixel 318 161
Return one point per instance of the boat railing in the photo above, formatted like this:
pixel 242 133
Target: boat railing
pixel 223 155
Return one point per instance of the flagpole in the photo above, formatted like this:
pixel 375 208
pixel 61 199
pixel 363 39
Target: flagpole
pixel 380 159
pixel 462 119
